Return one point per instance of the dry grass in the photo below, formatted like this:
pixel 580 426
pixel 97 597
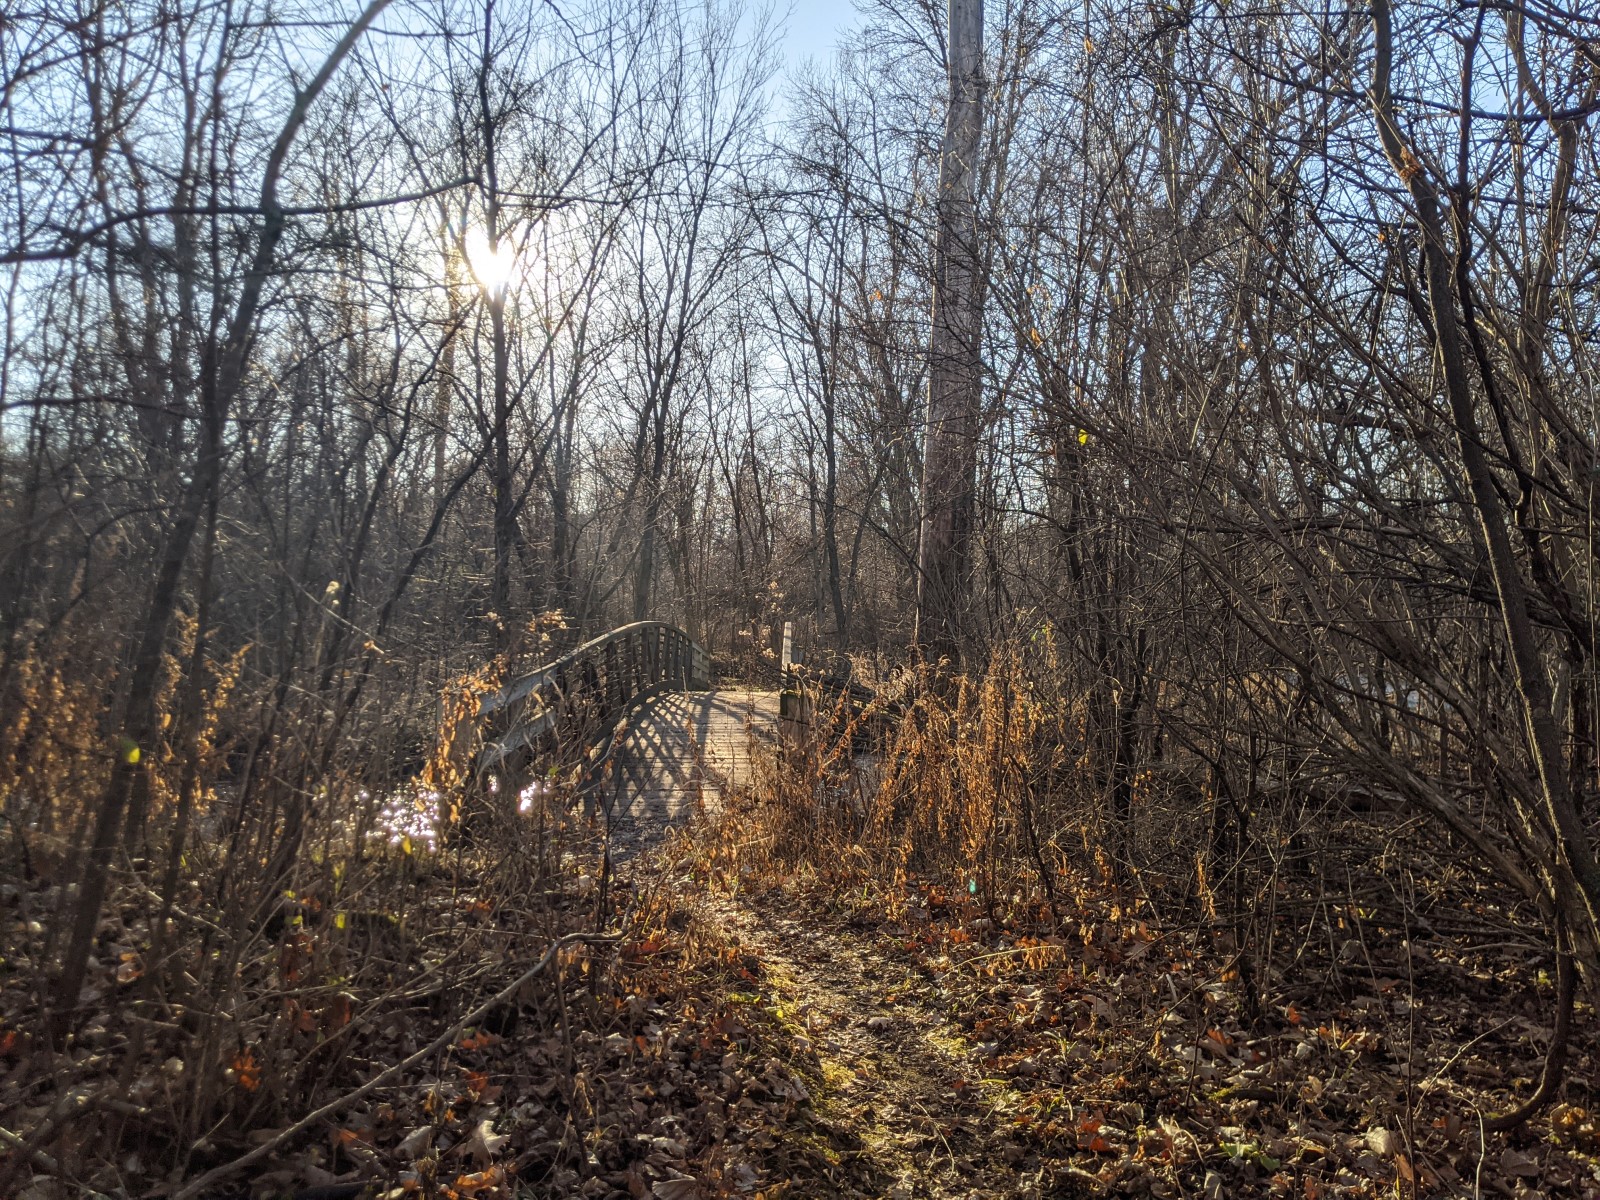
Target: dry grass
pixel 1275 976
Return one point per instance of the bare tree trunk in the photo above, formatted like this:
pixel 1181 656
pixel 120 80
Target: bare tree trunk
pixel 563 542
pixel 830 521
pixel 644 575
pixel 950 449
pixel 505 515
pixel 447 364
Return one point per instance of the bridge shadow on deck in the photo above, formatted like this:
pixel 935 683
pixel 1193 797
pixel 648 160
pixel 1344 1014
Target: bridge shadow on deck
pixel 681 751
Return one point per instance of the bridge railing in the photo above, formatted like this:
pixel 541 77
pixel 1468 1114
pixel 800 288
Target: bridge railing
pixel 574 704
pixel 810 689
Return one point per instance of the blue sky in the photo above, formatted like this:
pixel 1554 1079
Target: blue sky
pixel 812 30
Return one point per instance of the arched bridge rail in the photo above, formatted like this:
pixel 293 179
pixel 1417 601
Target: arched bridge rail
pixel 572 707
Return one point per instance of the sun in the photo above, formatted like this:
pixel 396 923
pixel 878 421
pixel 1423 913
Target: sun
pixel 494 268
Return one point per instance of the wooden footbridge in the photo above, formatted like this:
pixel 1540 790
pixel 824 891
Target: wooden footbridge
pixel 634 714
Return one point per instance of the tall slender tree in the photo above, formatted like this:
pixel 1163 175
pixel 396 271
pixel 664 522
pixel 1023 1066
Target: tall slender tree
pixel 950 450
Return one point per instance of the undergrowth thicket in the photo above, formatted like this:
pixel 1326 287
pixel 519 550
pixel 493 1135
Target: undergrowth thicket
pixel 1271 973
pixel 292 911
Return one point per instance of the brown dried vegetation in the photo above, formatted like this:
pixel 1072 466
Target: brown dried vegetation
pixel 1331 1006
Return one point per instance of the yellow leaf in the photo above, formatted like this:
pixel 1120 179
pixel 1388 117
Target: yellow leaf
pixel 1083 437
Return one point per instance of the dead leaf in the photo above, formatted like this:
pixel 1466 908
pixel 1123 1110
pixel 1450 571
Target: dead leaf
pixel 470 1185
pixel 1519 1163
pixel 485 1143
pixel 416 1143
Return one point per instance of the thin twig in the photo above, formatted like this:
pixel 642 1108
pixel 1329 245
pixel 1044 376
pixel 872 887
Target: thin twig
pixel 38 1157
pixel 194 1188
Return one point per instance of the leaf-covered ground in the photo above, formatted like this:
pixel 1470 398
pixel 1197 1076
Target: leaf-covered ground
pixel 954 1053
pixel 764 1037
pixel 617 1071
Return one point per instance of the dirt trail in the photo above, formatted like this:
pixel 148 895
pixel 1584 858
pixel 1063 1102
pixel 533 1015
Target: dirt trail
pixel 897 1109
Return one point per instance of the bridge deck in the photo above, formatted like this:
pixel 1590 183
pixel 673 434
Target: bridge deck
pixel 682 749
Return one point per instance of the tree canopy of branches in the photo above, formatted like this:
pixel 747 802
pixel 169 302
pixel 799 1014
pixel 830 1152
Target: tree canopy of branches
pixel 351 353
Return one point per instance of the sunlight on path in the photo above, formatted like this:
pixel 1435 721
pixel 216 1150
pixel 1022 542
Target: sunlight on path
pixel 896 1101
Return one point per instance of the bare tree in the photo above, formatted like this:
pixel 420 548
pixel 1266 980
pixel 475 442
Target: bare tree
pixel 950 442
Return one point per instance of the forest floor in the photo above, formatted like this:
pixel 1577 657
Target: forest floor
pixel 758 1034
pixel 941 1052
pixel 893 1113
pixel 895 1109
